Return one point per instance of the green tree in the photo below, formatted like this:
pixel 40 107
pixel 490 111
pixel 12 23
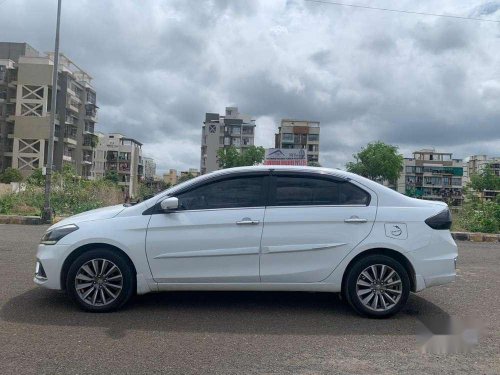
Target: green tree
pixel 485 180
pixel 185 177
pixel 230 157
pixel 313 164
pixel 36 178
pixel 112 176
pixel 377 161
pixel 10 175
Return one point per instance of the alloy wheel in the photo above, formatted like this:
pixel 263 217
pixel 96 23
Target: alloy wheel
pixel 98 282
pixel 379 287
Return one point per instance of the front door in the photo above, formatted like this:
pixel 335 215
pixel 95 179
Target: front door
pixel 214 236
pixel 312 222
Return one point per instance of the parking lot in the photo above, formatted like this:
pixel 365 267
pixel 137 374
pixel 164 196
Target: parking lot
pixel 42 332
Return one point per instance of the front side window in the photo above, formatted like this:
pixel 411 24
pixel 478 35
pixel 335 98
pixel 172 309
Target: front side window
pixel 308 191
pixel 230 193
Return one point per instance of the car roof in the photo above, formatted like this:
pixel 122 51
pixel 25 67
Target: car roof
pixel 291 168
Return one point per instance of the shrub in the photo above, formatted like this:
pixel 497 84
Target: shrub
pixel 70 195
pixel 10 175
pixel 480 217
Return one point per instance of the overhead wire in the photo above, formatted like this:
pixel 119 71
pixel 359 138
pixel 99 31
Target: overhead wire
pixel 402 11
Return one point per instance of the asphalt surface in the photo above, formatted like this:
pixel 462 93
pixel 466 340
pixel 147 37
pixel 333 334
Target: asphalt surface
pixel 42 332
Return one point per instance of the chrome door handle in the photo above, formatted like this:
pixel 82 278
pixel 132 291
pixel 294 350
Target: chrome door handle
pixel 247 221
pixel 355 220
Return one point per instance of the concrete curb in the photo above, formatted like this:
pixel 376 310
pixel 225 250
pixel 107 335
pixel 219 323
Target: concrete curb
pixel 476 237
pixel 17 219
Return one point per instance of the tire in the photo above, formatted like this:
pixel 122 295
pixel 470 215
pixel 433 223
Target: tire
pixel 379 297
pixel 106 290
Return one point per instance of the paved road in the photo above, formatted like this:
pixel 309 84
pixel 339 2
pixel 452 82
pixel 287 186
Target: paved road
pixel 237 333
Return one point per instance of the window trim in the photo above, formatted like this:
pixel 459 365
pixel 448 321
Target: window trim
pixel 156 208
pixel 315 175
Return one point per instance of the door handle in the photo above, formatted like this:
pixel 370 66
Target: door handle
pixel 247 221
pixel 355 219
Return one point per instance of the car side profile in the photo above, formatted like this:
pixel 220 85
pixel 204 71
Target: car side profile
pixel 265 228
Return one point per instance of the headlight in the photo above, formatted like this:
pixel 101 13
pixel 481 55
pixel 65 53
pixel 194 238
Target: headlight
pixel 54 235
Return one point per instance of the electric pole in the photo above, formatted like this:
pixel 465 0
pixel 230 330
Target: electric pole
pixel 47 209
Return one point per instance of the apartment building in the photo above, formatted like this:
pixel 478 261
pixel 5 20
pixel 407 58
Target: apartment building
pixel 299 134
pixel 173 178
pixel 122 155
pixel 232 129
pixel 149 168
pixel 476 163
pixel 25 93
pixel 433 175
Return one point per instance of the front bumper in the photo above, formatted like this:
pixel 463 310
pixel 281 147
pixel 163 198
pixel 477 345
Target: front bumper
pixel 49 259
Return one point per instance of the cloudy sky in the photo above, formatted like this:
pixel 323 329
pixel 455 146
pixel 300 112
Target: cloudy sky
pixel 367 75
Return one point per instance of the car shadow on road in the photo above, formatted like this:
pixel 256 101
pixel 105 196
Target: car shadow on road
pixel 219 312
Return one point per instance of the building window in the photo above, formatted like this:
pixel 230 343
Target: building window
pixel 212 128
pixel 313 137
pixel 287 137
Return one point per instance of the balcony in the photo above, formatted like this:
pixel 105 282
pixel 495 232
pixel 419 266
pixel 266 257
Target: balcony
pixel 91 112
pixel 72 105
pixel 89 128
pixel 87 159
pixel 69 120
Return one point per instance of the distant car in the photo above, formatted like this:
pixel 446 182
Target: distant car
pixel 255 228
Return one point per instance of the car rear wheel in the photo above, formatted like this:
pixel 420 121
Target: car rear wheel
pixel 377 286
pixel 100 280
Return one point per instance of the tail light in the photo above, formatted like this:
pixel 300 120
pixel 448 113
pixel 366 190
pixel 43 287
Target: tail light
pixel 440 221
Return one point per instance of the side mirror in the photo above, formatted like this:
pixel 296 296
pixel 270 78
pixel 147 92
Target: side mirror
pixel 169 204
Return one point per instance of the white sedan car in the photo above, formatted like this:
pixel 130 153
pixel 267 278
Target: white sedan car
pixel 255 228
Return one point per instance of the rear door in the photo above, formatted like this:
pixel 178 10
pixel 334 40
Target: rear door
pixel 311 223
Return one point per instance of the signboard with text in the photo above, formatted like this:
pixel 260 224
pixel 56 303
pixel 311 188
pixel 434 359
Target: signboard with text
pixel 285 156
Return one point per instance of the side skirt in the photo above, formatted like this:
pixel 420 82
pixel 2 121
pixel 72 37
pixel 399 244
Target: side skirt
pixel 288 287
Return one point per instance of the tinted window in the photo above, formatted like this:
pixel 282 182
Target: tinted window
pixel 236 192
pixel 350 194
pixel 297 190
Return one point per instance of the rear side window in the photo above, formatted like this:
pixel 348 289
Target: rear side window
pixel 307 190
pixel 231 193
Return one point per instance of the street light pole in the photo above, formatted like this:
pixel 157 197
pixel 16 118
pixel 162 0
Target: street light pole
pixel 47 209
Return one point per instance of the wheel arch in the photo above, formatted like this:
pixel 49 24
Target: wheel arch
pixel 82 249
pixel 396 255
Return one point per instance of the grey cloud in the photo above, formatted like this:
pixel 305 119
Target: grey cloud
pixel 159 66
pixel 443 35
pixel 485 9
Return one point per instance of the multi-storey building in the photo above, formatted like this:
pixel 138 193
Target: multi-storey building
pixel 233 129
pixel 149 168
pixel 476 163
pixel 122 155
pixel 191 171
pixel 432 175
pixel 171 177
pixel 25 92
pixel 299 134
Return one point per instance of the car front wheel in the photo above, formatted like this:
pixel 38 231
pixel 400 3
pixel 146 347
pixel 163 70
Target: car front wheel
pixel 100 280
pixel 377 286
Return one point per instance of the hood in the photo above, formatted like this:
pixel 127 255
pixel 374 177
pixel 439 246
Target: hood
pixel 97 214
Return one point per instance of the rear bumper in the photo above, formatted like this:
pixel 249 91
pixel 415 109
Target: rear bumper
pixel 435 264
